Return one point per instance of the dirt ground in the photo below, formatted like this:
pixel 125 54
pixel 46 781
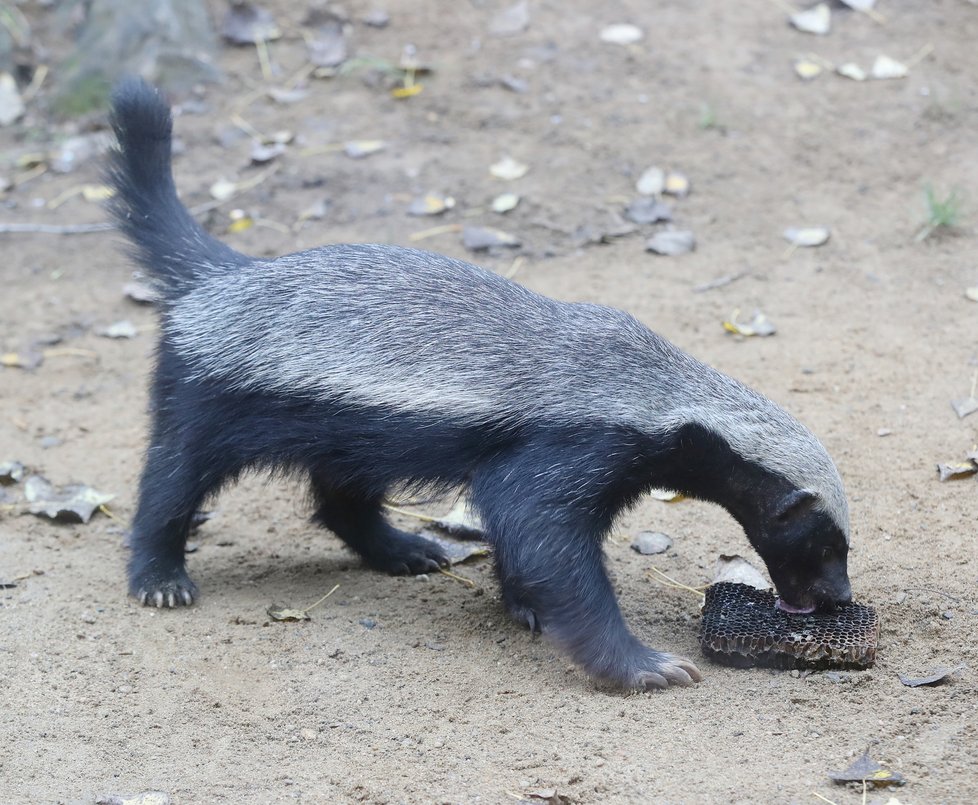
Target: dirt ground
pixel 408 690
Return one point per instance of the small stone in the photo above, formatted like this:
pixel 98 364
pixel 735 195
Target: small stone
pixel 308 734
pixel 795 673
pixel 367 623
pixel 947 615
pixel 422 577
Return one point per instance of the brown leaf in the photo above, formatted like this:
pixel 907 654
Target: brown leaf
pixel 864 768
pixel 74 503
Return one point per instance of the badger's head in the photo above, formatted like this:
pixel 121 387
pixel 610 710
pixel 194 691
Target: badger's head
pixel 804 546
pixel 778 481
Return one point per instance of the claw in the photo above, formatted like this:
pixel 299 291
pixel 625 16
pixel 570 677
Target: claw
pixel 188 599
pixel 158 599
pixel 653 681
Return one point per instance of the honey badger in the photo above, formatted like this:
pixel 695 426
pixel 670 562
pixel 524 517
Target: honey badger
pixel 372 368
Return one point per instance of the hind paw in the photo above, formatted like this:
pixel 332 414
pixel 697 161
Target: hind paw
pixel 406 554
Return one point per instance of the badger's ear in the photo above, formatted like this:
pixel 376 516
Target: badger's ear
pixel 794 504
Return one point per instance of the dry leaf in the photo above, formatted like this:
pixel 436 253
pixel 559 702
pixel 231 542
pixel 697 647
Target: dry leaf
pixel 676 184
pixel 287 96
pixel 666 495
pixel 279 613
pixel 120 329
pixel 315 211
pixel 74 503
pixel 971 293
pixel 11 472
pixel 939 676
pixel 817 20
pixel 965 406
pixel 651 182
pixel 376 18
pixel 735 568
pixel 97 192
pixel 860 5
pixel 807 236
pixel 511 21
pixel 140 293
pixel 864 768
pixel 407 91
pixel 430 204
pixel 509 169
pixel 481 238
pixel 671 242
pixel 223 189
pixel 648 210
pixel 11 104
pixel 240 221
pixel 358 149
pixel 461 521
pixel 505 202
pixel 649 543
pixel 956 470
pixel 884 67
pixel 851 70
pixel 247 24
pixel 328 48
pixel 28 359
pixel 262 153
pixel 806 70
pixel 145 798
pixel 759 325
pixel 458 552
pixel 621 34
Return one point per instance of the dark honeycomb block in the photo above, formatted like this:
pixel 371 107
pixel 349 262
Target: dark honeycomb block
pixel 743 628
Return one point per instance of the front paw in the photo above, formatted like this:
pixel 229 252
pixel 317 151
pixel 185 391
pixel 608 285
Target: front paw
pixel 169 590
pixel 643 668
pixel 659 671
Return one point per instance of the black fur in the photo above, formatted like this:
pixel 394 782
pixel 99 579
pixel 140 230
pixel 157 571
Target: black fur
pixel 547 489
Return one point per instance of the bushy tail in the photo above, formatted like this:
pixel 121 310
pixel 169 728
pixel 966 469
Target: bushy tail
pixel 173 248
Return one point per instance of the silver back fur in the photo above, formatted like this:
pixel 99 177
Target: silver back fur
pixel 417 332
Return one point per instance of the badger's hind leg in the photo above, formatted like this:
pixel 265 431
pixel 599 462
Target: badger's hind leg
pixel 547 527
pixel 358 520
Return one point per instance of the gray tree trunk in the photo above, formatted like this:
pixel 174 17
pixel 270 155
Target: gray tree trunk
pixel 169 42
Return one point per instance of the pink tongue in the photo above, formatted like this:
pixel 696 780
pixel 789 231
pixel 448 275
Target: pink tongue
pixel 781 604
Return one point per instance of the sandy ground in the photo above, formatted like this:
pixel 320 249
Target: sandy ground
pixel 407 690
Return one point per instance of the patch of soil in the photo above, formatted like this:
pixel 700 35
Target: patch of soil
pixel 443 699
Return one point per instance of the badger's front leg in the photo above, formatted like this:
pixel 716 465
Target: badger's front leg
pixel 547 527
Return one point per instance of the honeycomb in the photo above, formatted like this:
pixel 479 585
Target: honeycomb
pixel 743 628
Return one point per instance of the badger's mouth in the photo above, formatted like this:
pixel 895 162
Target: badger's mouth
pixel 791 609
